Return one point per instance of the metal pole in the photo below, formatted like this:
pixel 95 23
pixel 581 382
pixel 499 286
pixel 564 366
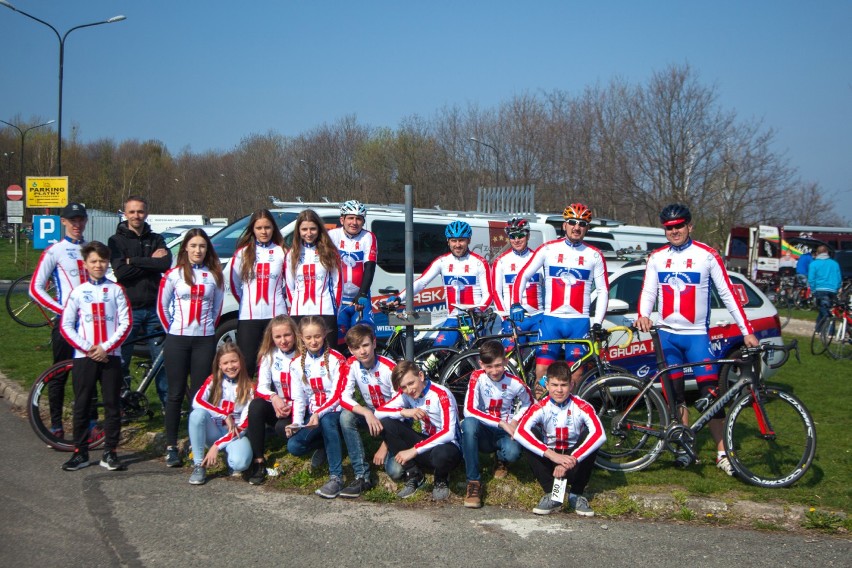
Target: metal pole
pixel 409 269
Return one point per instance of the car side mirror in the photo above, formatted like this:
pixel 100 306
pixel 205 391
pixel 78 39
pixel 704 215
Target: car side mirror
pixel 617 307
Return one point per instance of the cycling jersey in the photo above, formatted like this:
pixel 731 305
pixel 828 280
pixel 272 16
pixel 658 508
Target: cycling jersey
pixel 375 383
pixel 491 402
pixel 313 386
pixel 96 313
pixel 311 289
pixel 190 309
pixel 228 406
pixel 63 263
pixel 570 272
pixel 354 253
pixel 506 269
pixel 678 280
pixel 263 296
pixel 466 280
pixel 274 375
pixel 562 426
pixel 441 421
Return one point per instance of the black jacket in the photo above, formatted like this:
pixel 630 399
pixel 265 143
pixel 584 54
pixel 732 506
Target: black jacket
pixel 141 275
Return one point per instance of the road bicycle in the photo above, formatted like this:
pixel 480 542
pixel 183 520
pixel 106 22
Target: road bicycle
pixel 791 295
pixel 769 435
pixel 134 402
pixel 520 357
pixel 833 335
pixel 23 309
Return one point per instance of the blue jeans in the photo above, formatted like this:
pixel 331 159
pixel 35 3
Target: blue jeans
pixel 146 322
pixel 478 437
pixel 348 316
pixel 350 423
pixel 327 435
pixel 824 300
pixel 203 431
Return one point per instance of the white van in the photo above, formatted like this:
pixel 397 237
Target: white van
pixel 388 223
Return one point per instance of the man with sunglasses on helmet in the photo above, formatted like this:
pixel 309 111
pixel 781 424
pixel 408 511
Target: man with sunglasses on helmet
pixel 677 281
pixel 358 254
pixel 505 271
pixel 465 275
pixel 573 271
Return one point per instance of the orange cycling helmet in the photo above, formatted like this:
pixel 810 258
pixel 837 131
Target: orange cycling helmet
pixel 577 211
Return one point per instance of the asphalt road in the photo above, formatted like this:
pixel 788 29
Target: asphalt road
pixel 150 516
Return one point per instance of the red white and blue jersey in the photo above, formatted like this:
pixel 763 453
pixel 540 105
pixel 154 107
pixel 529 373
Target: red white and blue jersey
pixel 678 280
pixel 228 406
pixel 563 426
pixel 63 263
pixel 375 384
pixel 311 289
pixel 571 273
pixel 314 386
pixel 96 313
pixel 466 280
pixel 263 296
pixel 441 422
pixel 492 402
pixel 190 309
pixel 354 252
pixel 274 375
pixel 506 269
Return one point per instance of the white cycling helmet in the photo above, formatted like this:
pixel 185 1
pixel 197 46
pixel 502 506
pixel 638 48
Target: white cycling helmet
pixel 353 207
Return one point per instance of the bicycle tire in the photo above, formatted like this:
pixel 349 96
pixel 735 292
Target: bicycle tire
pixel 591 375
pixel 635 441
pixel 778 461
pixel 433 360
pixel 838 345
pixel 818 341
pixel 23 309
pixel 38 409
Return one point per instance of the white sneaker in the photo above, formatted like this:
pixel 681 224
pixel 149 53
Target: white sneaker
pixel 724 464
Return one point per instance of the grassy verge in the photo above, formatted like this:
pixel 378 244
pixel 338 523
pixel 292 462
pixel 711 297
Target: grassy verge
pixel 824 385
pixel 13 265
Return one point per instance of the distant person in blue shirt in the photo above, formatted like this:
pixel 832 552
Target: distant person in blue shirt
pixel 824 280
pixel 802 267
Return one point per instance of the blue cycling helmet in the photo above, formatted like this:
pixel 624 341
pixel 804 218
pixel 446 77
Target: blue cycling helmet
pixel 458 230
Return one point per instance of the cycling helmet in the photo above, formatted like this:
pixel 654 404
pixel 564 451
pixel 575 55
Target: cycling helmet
pixel 577 211
pixel 675 214
pixel 353 207
pixel 517 225
pixel 458 230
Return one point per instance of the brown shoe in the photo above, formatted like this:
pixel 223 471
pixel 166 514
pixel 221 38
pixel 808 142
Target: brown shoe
pixel 501 470
pixel 473 499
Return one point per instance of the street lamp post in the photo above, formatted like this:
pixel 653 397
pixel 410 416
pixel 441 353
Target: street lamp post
pixel 23 134
pixel 497 159
pixel 61 39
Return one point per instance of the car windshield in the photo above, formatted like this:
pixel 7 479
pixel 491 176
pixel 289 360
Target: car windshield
pixel 225 241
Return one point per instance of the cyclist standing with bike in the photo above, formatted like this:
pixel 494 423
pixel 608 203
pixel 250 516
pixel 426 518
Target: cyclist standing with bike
pixel 677 280
pixel 465 275
pixel 505 271
pixel 139 257
pixel 573 270
pixel 358 255
pixel 63 263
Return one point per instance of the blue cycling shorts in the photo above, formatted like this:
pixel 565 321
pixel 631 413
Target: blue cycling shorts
pixel 561 328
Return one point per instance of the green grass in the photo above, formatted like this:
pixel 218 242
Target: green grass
pixel 12 266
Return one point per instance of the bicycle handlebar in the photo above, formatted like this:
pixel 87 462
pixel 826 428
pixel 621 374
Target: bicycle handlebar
pixel 768 348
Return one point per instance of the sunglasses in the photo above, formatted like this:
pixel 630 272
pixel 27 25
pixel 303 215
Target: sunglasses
pixel 517 235
pixel 676 227
pixel 579 222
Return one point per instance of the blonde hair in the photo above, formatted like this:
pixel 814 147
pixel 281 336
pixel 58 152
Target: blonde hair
pixel 303 323
pixel 244 382
pixel 267 344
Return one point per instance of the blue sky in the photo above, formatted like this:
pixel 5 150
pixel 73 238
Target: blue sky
pixel 202 75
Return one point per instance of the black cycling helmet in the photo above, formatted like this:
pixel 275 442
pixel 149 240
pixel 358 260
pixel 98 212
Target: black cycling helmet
pixel 675 214
pixel 517 225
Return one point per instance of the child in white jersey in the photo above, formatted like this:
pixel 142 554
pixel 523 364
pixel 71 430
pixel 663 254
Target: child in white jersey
pixel 372 375
pixel 314 379
pixel 220 414
pixel 273 401
pixel 96 320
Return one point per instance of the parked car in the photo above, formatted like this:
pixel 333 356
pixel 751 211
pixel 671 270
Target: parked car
pixel 725 338
pixel 172 233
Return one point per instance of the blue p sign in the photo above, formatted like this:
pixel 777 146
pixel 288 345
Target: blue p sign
pixel 46 230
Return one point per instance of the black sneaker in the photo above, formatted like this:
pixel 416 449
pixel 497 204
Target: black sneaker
pixel 78 461
pixel 355 488
pixel 257 473
pixel 173 457
pixel 414 480
pixel 111 462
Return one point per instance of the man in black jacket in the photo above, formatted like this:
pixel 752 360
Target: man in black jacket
pixel 139 258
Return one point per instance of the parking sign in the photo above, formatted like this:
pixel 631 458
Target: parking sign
pixel 46 230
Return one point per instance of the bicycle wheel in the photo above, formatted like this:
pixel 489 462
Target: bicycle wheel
pixel 819 341
pixel 838 342
pixel 38 409
pixel 592 374
pixel 23 309
pixel 433 360
pixel 784 304
pixel 633 440
pixel 776 459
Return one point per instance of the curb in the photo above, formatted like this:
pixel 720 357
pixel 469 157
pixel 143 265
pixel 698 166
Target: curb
pixel 12 391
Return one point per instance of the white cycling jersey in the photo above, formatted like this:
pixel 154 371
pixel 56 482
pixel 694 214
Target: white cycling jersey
pixel 440 424
pixel 227 406
pixel 96 313
pixel 313 385
pixel 491 402
pixel 191 310
pixel 563 426
pixel 263 296
pixel 505 272
pixel 466 280
pixel 311 289
pixel 354 252
pixel 63 263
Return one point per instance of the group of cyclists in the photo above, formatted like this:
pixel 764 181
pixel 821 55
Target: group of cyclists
pixel 297 305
